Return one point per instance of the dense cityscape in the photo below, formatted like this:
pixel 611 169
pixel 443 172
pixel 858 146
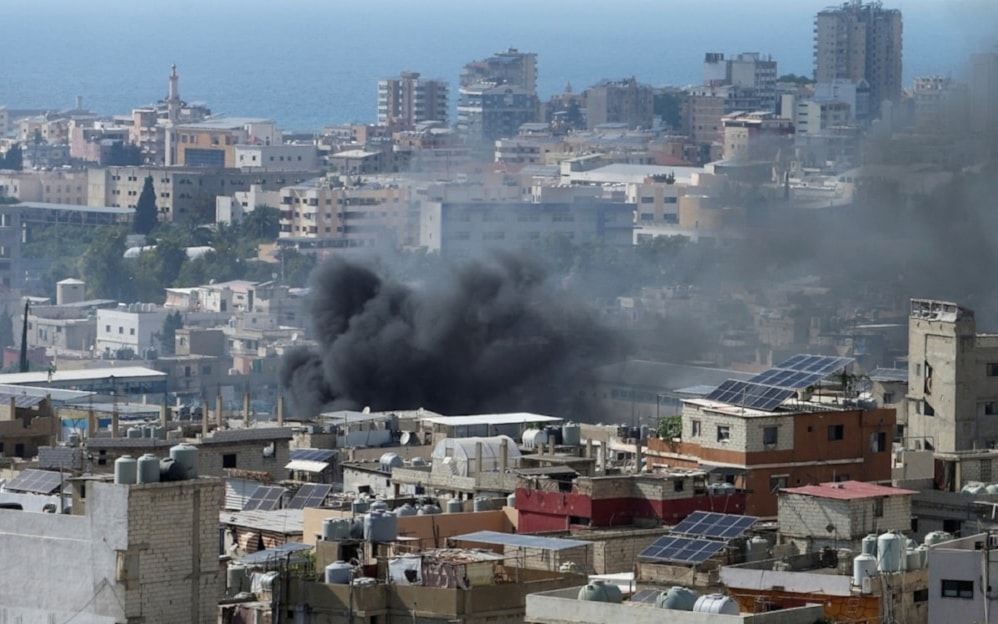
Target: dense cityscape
pixel 498 357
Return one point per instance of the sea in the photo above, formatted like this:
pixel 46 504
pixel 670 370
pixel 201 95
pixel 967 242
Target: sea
pixel 307 64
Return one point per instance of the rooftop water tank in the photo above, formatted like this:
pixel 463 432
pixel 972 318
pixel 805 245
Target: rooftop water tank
pixel 338 573
pixel 991 488
pixel 335 529
pixel 126 470
pixel 170 470
pixel 756 548
pixel 534 438
pixel 935 537
pixel 380 526
pixel 677 598
pixel 511 501
pixel 716 603
pixel 552 432
pixel 864 566
pixel 417 462
pixel 600 591
pixel 890 552
pixel 378 505
pixel 187 456
pixel 405 510
pixel 569 567
pixel 73 439
pixel 428 510
pixel 974 489
pixel 455 505
pixel 357 528
pixel 358 506
pixel 571 434
pixel 844 556
pixel 389 461
pixel 134 432
pixel 148 468
pixel 645 430
pixel 236 579
pixel 923 556
pixel 481 504
pixel 870 545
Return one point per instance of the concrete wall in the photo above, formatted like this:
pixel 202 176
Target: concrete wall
pixel 431 531
pixel 140 551
pixel 803 516
pixel 960 561
pixel 563 607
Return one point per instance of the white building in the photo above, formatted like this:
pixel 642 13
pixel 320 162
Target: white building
pixel 129 327
pixel 960 580
pixel 232 209
pixel 277 157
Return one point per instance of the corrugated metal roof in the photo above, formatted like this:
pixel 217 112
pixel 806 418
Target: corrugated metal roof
pixel 521 541
pixel 517 418
pixel 255 433
pixel 305 465
pixel 848 490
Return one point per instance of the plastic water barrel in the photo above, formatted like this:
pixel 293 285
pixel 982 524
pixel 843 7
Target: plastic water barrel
pixel 844 556
pixel 511 501
pixel 405 510
pixel 378 505
pixel 335 529
pixel 571 434
pixel 358 506
pixel 134 432
pixel 677 598
pixel 380 527
pixel 338 573
pixel 716 603
pixel 187 456
pixel 534 438
pixel 600 591
pixel 935 537
pixel 863 566
pixel 148 466
pixel 870 545
pixel 455 505
pixel 389 461
pixel 126 470
pixel 890 552
pixel 481 504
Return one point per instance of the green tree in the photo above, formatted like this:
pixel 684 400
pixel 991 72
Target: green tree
pixel 102 265
pixel 263 223
pixel 13 159
pixel 168 335
pixel 146 214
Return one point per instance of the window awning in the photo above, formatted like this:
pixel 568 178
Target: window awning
pixel 305 465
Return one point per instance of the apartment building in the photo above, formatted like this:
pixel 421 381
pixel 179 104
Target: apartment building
pixel 408 100
pixel 960 573
pixel 860 42
pixel 462 229
pixel 486 111
pixel 620 101
pixel 212 143
pixel 757 136
pixel 510 67
pixel 51 187
pixel 277 157
pixel 952 379
pixel 347 217
pixel 749 71
pixel 129 327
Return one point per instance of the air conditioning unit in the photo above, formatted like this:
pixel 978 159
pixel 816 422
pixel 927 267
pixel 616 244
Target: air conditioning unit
pixel 993 540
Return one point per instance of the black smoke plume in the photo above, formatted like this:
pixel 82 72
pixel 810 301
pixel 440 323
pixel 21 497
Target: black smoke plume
pixel 486 336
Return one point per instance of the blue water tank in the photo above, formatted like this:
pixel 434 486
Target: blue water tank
pixel 380 527
pixel 126 470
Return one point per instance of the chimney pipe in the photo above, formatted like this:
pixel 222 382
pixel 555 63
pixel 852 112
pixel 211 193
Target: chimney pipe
pixel 246 408
pixel 589 448
pixel 280 410
pixel 503 449
pixel 91 423
pixel 219 419
pixel 204 418
pixel 114 422
pixel 478 456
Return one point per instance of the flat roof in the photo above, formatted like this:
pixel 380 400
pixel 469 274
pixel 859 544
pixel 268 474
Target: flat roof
pixel 515 418
pixel 521 541
pixel 848 490
pixel 75 208
pixel 284 521
pixel 40 378
pixel 224 123
pixel 57 395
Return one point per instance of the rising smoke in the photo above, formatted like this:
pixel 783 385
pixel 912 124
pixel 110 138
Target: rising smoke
pixel 486 336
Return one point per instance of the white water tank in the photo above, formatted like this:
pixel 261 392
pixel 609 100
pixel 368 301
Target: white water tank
pixel 571 435
pixel 418 462
pixel 534 438
pixel 912 559
pixel 378 505
pixel 511 501
pixel 974 489
pixel 126 470
pixel 864 566
pixel 428 510
pixel 756 548
pixel 455 505
pixel 870 545
pixel 716 603
pixel 935 537
pixel 677 598
pixel 389 461
pixel 890 552
pixel 338 573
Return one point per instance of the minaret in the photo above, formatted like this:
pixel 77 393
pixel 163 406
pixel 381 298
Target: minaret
pixel 172 113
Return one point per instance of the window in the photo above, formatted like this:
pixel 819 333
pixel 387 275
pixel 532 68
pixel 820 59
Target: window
pixel 888 398
pixel 836 432
pixel 777 482
pixel 990 408
pixel 695 429
pixel 770 435
pixel 107 329
pixel 131 331
pixel 920 595
pixel 957 589
pixel 928 409
pixel 121 330
pixel 878 441
pixel 229 460
pixel 878 508
pixel 723 433
pixel 986 470
pixel 678 485
pixel 992 369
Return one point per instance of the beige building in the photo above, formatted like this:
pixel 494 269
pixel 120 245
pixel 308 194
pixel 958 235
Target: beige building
pixel 952 379
pixel 408 100
pixel 620 101
pixel 51 187
pixel 212 143
pixel 347 217
pixel 757 136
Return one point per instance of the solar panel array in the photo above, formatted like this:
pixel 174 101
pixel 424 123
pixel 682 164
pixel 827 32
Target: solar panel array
pixel 751 395
pixel 680 549
pixel 320 455
pixel 309 495
pixel 647 596
pixel 823 364
pixel 35 481
pixel 264 498
pixel 801 371
pixel 716 525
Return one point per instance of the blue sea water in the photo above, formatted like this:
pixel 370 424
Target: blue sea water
pixel 310 63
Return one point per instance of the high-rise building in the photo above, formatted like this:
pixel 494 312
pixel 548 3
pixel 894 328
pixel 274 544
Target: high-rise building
pixel 409 100
pixel 983 91
pixel 620 101
pixel 857 42
pixel 511 67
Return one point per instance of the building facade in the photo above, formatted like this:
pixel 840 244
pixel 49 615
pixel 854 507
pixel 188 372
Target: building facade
pixel 620 101
pixel 857 42
pixel 409 100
